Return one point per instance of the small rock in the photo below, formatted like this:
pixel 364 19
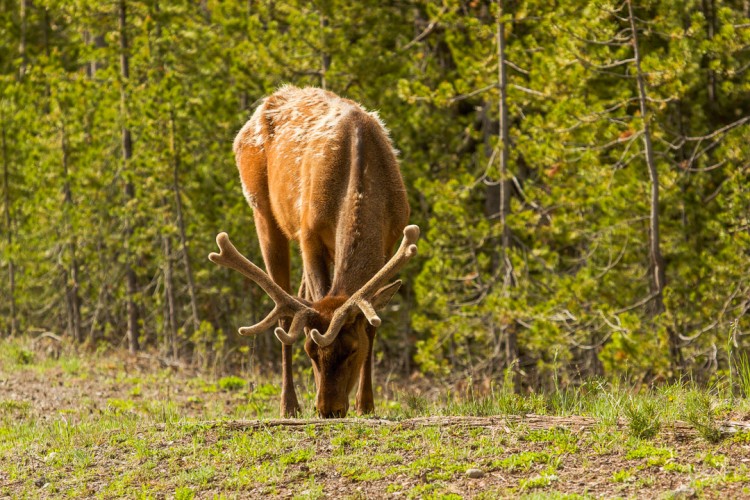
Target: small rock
pixel 683 491
pixel 40 482
pixel 475 473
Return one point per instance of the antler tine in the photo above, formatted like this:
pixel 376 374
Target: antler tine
pixel 295 330
pixel 264 325
pixel 338 320
pixel 286 305
pixel 406 251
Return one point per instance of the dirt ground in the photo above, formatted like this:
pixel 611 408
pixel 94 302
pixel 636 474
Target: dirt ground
pixel 419 457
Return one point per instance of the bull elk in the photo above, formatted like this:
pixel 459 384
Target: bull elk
pixel 320 170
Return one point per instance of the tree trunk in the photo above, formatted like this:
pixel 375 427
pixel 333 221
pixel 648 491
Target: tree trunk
pixel 709 13
pixel 94 65
pixel 181 221
pixel 23 14
pixel 170 333
pixel 71 285
pixel 91 67
pixel 13 326
pixel 325 57
pixel 127 153
pixel 511 345
pixel 657 261
pixel 657 265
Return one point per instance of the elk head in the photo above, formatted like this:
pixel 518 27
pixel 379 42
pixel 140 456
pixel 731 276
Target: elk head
pixel 348 323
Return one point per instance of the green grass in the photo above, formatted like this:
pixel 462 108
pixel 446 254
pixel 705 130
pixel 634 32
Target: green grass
pixel 523 460
pixel 231 383
pixel 642 414
pixel 699 412
pixel 742 365
pixel 146 434
pixel 540 481
pixel 623 476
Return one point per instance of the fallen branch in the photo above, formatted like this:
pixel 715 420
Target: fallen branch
pixel 529 421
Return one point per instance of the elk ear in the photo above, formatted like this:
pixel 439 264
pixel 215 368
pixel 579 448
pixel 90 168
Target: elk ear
pixel 385 294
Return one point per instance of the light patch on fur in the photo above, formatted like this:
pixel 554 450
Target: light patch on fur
pixel 252 132
pixel 250 197
pixel 302 116
pixel 376 115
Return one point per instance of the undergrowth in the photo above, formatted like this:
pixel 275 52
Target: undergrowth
pixel 645 410
pixel 148 427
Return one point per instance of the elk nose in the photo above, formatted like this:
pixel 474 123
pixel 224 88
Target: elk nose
pixel 333 411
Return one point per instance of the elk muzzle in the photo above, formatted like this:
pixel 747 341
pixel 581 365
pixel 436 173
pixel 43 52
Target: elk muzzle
pixel 333 410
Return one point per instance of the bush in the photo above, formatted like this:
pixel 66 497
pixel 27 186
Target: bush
pixel 231 383
pixel 698 412
pixel 23 356
pixel 643 418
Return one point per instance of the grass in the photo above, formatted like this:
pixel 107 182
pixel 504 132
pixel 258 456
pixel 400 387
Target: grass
pixel 642 414
pixel 231 383
pixel 106 427
pixel 742 365
pixel 699 412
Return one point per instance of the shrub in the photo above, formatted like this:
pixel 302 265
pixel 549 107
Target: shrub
pixel 698 412
pixel 643 418
pixel 231 383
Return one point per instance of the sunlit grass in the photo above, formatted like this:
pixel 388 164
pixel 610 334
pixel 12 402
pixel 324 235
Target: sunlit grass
pixel 156 429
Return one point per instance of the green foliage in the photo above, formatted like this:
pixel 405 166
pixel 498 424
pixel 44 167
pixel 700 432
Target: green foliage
pixel 232 383
pixel 564 275
pixel 524 460
pixel 540 481
pixel 644 420
pixel 23 356
pixel 11 406
pixel 743 372
pixel 578 227
pixel 699 412
pixel 415 404
pixel 622 476
pixel 122 446
pixel 184 493
pixel 717 461
pixel 562 439
pixel 644 450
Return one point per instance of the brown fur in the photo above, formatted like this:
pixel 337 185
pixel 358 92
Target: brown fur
pixel 320 170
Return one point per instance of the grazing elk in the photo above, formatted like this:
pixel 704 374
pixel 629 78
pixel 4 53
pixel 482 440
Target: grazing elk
pixel 320 170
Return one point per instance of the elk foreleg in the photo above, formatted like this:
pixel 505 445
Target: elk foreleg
pixel 289 407
pixel 365 402
pixel 315 262
pixel 275 249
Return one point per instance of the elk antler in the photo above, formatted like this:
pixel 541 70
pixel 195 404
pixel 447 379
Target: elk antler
pixel 286 305
pixel 362 297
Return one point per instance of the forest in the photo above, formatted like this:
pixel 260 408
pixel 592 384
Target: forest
pixel 580 172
